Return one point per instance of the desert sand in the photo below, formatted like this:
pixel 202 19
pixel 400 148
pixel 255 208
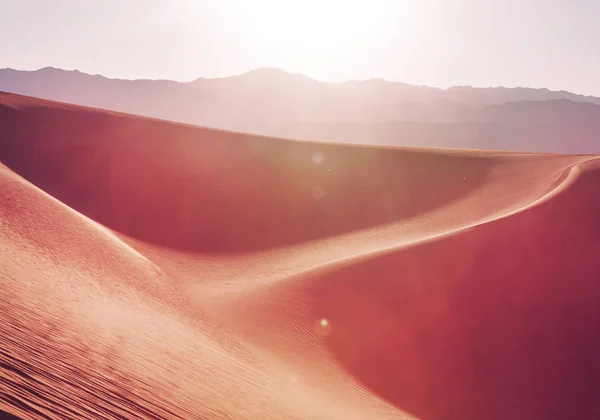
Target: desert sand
pixel 150 269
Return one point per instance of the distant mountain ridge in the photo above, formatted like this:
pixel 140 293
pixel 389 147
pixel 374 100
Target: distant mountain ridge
pixel 274 102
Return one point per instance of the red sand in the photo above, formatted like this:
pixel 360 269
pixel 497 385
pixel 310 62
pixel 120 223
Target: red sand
pixel 151 269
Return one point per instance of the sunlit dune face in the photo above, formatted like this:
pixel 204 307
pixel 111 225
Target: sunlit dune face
pixel 304 33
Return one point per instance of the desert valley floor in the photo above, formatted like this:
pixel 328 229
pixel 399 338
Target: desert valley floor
pixel 150 269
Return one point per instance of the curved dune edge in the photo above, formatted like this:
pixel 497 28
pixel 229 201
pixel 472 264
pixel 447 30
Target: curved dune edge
pixel 368 331
pixel 442 313
pixel 79 342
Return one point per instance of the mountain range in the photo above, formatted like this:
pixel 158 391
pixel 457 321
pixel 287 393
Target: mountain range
pixel 273 102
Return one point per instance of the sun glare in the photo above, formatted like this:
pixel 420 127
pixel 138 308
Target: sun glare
pixel 316 30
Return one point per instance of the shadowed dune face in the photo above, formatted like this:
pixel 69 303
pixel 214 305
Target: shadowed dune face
pixel 212 191
pixel 495 322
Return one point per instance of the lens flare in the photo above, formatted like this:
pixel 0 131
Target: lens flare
pixel 318 158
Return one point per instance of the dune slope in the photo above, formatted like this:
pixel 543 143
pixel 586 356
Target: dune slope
pixel 156 270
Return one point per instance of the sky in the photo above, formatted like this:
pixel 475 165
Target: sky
pixel 533 43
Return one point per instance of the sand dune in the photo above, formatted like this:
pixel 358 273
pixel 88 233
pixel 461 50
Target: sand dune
pixel 150 269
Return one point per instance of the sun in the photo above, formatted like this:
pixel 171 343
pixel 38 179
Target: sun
pixel 315 31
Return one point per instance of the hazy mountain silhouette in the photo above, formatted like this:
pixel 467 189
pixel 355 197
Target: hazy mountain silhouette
pixel 153 98
pixel 273 102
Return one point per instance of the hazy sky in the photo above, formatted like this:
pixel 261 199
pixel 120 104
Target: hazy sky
pixel 537 43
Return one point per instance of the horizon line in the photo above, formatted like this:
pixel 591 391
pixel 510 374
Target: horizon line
pixel 290 73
